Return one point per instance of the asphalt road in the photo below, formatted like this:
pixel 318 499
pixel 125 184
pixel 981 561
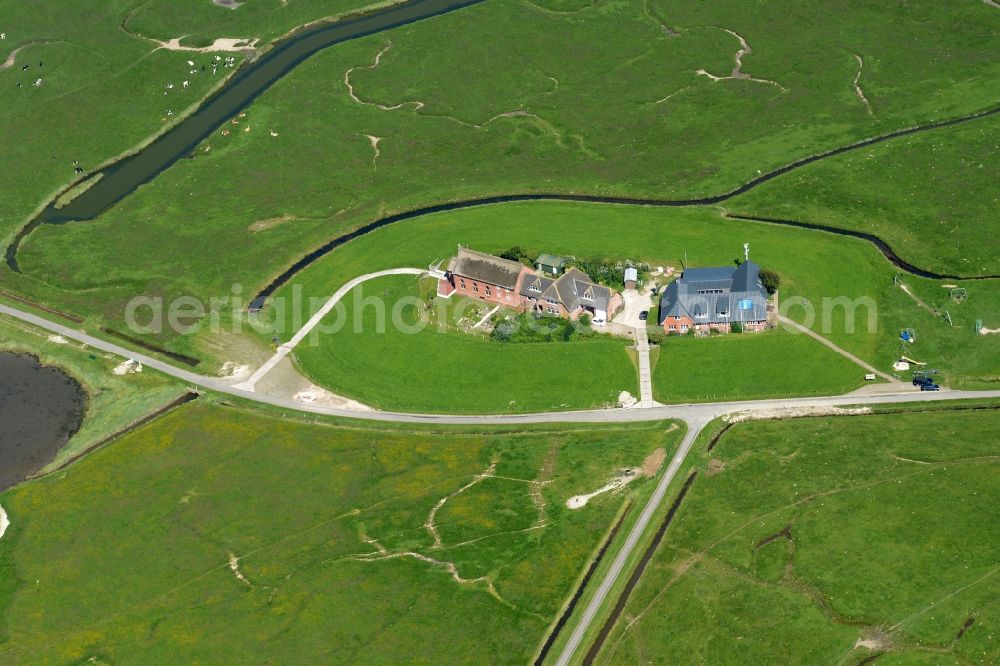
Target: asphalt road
pixel 695 415
pixel 690 413
pixel 594 607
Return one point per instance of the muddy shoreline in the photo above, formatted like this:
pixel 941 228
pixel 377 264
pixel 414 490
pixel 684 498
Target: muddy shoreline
pixel 41 408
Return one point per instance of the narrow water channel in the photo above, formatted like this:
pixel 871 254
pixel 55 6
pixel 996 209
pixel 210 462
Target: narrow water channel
pixel 40 409
pixel 123 177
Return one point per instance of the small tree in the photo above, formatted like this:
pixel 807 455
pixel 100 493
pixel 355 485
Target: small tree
pixel 770 280
pixel 518 253
pixel 504 331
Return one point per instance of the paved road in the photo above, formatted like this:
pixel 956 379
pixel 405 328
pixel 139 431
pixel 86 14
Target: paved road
pixel 686 412
pixel 594 607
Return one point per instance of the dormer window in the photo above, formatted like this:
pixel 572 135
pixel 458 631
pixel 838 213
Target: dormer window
pixel 535 286
pixel 589 294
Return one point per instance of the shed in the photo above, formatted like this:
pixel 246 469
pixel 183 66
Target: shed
pixel 550 264
pixel 631 278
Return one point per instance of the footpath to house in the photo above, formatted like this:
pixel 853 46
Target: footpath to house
pixel 843 352
pixel 645 374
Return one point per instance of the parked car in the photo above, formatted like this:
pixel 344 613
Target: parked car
pixel 644 315
pixel 920 380
pixel 930 386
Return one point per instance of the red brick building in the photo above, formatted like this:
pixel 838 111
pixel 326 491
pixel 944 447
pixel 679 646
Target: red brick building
pixel 488 278
pixel 514 285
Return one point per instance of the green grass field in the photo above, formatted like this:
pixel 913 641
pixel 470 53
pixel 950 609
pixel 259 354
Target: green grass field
pixel 932 196
pixel 884 533
pixel 103 81
pixel 813 265
pixel 771 364
pixel 416 368
pixel 125 556
pixel 585 113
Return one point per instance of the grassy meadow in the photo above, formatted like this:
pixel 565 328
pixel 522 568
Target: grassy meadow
pixel 418 367
pixel 828 540
pixel 103 81
pixel 827 281
pixel 125 556
pixel 615 105
pixel 112 402
pixel 932 196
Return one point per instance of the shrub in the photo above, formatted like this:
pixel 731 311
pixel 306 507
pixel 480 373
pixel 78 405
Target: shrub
pixel 770 280
pixel 518 253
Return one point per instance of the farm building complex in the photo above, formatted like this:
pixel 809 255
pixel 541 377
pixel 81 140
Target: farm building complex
pixel 707 299
pixel 514 285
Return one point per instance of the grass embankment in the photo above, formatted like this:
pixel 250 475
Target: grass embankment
pixel 442 370
pixel 540 120
pixel 112 402
pixel 800 538
pixel 813 265
pixel 932 197
pixel 131 547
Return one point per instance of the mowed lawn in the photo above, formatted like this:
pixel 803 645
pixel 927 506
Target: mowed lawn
pixel 125 557
pixel 829 540
pixel 841 287
pixel 770 364
pixel 398 367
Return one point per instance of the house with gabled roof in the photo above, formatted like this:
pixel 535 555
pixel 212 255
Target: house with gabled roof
pixel 514 285
pixel 570 295
pixel 707 299
pixel 484 276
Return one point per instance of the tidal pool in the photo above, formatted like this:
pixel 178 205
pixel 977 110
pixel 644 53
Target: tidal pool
pixel 40 409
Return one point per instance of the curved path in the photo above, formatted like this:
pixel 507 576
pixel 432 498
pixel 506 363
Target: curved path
pixel 692 412
pixel 286 348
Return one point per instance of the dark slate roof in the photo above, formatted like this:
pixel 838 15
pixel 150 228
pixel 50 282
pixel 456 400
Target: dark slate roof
pixel 485 268
pixel 572 289
pixel 540 281
pixel 746 277
pixel 708 274
pixel 740 287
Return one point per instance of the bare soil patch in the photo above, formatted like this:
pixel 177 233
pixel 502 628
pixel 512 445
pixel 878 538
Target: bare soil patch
pixel 271 222
pixel 715 466
pixel 654 462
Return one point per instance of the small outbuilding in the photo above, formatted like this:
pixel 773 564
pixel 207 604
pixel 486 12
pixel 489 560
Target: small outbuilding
pixel 550 264
pixel 631 278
